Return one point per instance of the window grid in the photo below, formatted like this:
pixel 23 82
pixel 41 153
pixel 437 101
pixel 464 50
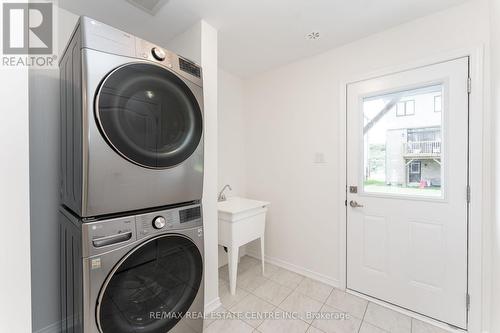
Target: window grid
pixel 405 108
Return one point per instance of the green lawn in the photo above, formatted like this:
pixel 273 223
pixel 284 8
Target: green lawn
pixel 374 182
pixel 380 187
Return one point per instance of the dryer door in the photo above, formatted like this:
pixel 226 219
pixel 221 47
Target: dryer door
pixel 148 115
pixel 151 289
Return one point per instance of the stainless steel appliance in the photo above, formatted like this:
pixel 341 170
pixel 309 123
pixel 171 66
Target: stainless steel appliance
pixel 131 123
pixel 136 273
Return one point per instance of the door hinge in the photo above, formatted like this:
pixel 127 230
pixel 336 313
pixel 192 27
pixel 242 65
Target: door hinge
pixel 468 193
pixel 469 84
pixel 345 203
pixel 467 301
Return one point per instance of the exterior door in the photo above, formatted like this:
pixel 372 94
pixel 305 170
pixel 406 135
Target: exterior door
pixel 407 194
pixel 415 173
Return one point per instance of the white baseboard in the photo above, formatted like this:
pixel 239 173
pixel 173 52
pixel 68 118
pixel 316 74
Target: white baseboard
pixel 52 328
pixel 297 269
pixel 212 305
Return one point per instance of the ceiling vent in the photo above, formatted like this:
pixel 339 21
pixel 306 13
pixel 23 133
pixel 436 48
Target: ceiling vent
pixel 313 35
pixel 149 6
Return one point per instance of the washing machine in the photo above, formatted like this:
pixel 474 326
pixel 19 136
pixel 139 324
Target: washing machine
pixel 131 123
pixel 135 273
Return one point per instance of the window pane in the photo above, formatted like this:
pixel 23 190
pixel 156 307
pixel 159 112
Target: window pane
pixel 437 103
pixel 410 108
pixel 402 155
pixel 400 111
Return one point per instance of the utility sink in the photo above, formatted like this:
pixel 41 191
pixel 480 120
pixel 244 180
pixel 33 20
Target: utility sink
pixel 241 221
pixel 236 208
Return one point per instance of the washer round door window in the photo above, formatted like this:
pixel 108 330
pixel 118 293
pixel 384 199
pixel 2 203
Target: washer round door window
pixel 149 115
pixel 161 277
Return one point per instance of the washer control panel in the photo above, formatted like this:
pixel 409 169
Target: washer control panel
pixel 104 235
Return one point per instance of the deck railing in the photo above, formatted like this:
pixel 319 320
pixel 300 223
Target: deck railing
pixel 422 148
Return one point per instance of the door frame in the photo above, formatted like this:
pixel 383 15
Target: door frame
pixel 479 175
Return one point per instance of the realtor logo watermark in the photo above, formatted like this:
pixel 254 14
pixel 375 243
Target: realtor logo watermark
pixel 28 30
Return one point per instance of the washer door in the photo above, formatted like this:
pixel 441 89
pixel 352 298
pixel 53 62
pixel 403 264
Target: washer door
pixel 152 288
pixel 148 115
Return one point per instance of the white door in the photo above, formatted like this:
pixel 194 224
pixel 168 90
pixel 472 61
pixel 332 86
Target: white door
pixel 407 151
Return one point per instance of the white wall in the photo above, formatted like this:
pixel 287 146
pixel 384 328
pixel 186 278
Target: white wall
pixel 15 307
pixel 231 136
pixel 188 43
pixel 209 46
pixel 495 230
pixel 15 304
pixel 292 113
pixel 232 156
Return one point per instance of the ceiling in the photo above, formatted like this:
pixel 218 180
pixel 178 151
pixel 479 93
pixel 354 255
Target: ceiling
pixel 257 35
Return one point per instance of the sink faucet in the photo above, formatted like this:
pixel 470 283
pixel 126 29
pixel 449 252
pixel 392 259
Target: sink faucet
pixel 222 196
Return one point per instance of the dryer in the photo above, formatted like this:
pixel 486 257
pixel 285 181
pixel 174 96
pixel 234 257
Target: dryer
pixel 133 273
pixel 131 123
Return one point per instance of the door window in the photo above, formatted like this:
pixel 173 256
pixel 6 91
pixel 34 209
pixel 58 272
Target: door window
pixel 149 115
pixel 161 277
pixel 403 155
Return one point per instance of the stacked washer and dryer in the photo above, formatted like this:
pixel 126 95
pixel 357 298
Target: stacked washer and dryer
pixel 131 233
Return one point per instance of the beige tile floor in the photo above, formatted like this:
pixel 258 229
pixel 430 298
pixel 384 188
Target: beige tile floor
pixel 283 293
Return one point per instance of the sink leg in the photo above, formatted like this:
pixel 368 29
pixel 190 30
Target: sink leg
pixel 232 256
pixel 262 253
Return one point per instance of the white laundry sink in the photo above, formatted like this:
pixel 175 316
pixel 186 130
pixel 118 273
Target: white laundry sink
pixel 241 221
pixel 236 208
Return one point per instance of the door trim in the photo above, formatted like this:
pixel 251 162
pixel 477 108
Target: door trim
pixel 479 216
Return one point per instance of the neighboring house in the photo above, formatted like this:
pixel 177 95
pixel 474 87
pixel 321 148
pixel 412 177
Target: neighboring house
pixel 412 141
pixel 413 156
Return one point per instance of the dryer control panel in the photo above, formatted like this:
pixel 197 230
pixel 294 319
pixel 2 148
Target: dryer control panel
pixel 167 220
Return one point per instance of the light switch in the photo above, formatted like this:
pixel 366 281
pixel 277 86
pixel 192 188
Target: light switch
pixel 319 158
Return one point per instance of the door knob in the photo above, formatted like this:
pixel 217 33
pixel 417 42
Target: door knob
pixel 354 204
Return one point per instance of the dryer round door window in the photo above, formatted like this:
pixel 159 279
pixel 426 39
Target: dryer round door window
pixel 149 115
pixel 152 289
